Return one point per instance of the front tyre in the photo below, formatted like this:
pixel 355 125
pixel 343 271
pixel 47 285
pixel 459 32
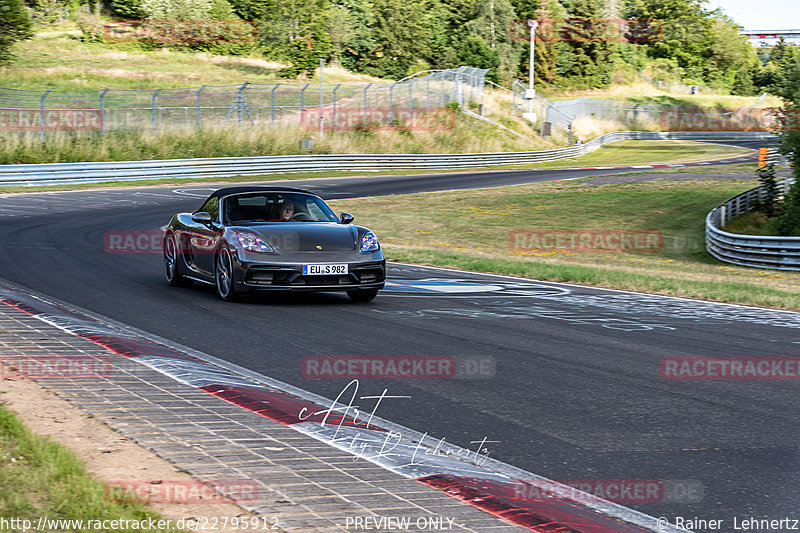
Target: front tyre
pixel 223 275
pixel 172 267
pixel 362 295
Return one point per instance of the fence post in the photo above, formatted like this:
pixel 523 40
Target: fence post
pixel 197 107
pixel 303 101
pixel 272 102
pixel 365 103
pixel 427 92
pixel 441 92
pixel 544 117
pixel 41 114
pixel 333 122
pixel 240 101
pixel 514 99
pixel 391 103
pixel 410 99
pixel 471 89
pixel 153 109
pixel 102 112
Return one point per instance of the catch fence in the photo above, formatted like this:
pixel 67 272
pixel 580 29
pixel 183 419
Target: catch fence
pixel 312 105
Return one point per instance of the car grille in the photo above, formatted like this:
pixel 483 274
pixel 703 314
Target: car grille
pixel 277 277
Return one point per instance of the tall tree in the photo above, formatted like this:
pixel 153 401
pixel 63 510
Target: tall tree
pixel 292 30
pixel 789 89
pixel 15 25
pixel 585 55
pixel 355 32
pixel 491 21
pixel 684 28
pixel 401 37
pixel 728 52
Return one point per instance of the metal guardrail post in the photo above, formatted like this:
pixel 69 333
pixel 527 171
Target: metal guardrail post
pixel 153 109
pixel 103 112
pixel 97 172
pixel 41 114
pixel 197 107
pixel 780 253
pixel 272 102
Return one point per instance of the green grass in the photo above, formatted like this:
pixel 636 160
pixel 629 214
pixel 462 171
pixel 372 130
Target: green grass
pixel 40 478
pixel 646 152
pixel 701 100
pixel 736 168
pixel 621 153
pixel 471 230
pixel 749 224
pixel 56 59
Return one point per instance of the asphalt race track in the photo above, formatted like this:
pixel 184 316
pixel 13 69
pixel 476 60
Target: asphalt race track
pixel 564 381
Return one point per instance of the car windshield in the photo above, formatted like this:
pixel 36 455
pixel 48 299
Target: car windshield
pixel 275 207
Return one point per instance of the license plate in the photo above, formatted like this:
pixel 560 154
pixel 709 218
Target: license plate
pixel 324 269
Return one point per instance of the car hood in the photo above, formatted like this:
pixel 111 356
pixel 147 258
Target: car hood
pixel 308 236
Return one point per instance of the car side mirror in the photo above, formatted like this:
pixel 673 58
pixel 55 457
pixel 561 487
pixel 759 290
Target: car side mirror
pixel 346 218
pixel 202 217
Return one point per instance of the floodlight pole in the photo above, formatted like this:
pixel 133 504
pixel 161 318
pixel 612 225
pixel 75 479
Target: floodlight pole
pixel 533 24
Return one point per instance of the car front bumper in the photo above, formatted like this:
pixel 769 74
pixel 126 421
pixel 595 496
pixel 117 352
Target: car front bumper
pixel 283 276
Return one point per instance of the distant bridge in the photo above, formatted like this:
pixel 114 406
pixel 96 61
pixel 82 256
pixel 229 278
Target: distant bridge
pixel 760 38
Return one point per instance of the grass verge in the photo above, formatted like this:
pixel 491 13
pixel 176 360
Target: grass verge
pixel 56 59
pixel 472 230
pixel 620 153
pixel 40 478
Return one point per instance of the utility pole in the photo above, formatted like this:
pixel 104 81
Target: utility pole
pixel 533 24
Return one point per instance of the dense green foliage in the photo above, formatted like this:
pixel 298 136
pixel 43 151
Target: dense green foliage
pixel 580 44
pixel 14 26
pixel 788 86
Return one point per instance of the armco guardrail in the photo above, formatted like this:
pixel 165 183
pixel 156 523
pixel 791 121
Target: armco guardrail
pixel 782 253
pixel 98 172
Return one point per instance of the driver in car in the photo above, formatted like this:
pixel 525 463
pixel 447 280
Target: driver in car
pixel 286 210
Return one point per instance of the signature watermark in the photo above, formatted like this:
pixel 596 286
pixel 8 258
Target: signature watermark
pixel 730 368
pixel 181 31
pixel 586 240
pixel 166 491
pixel 396 367
pixel 714 119
pixel 378 118
pixel 576 29
pixel 626 491
pixel 49 119
pixel 55 367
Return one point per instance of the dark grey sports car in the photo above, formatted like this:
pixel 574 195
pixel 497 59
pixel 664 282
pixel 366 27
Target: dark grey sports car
pixel 246 239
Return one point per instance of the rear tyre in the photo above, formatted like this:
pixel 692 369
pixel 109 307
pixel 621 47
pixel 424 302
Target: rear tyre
pixel 223 275
pixel 362 295
pixel 172 266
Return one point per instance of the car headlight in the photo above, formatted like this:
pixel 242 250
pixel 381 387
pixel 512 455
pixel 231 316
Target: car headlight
pixel 369 242
pixel 252 242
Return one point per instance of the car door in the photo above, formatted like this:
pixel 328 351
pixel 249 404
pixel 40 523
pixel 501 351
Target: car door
pixel 203 239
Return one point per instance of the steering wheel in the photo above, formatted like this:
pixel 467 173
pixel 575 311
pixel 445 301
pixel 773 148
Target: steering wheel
pixel 300 217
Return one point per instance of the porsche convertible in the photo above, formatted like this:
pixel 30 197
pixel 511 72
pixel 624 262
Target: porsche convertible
pixel 246 239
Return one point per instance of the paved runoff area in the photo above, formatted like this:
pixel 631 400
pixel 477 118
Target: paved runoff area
pixel 296 482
